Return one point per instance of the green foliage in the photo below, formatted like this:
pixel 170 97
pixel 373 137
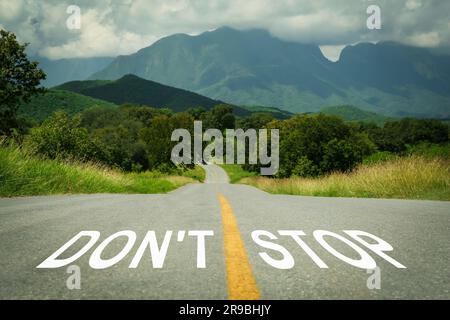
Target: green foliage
pixel 220 117
pixel 157 138
pixel 121 148
pixel 101 117
pixel 193 172
pixel 196 112
pixel 351 113
pixel 412 131
pixel 274 112
pixel 62 137
pixel 236 172
pixel 23 174
pixel 143 114
pixel 255 121
pixel 305 168
pixel 396 135
pixel 430 150
pixel 314 145
pixel 380 156
pixel 19 80
pixel 131 134
pixel 135 90
pixel 42 106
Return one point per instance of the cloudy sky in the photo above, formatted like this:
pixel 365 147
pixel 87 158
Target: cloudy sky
pixel 113 27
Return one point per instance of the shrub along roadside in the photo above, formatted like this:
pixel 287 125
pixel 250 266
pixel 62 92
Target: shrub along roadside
pixel 412 177
pixel 22 174
pixel 236 172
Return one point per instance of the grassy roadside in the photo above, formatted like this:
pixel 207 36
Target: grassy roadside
pixel 413 177
pixel 197 173
pixel 236 173
pixel 22 175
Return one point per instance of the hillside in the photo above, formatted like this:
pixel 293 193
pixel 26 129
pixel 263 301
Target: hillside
pixel 276 112
pixel 40 107
pixel 386 78
pixel 351 113
pixel 132 89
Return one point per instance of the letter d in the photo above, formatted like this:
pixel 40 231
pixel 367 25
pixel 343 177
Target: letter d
pixel 52 261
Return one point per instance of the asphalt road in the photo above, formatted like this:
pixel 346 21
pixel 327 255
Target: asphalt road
pixel 32 228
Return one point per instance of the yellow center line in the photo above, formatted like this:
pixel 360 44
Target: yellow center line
pixel 240 278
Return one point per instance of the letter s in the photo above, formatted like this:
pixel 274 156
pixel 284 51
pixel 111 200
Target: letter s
pixel 286 263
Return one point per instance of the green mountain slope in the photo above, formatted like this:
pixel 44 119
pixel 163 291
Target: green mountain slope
pixel 351 113
pixel 132 89
pixel 276 112
pixel 40 107
pixel 254 68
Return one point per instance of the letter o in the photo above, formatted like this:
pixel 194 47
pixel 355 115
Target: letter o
pixel 366 261
pixel 96 262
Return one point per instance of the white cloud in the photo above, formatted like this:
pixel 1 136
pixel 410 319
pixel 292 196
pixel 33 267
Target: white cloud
pixel 98 37
pixel 113 27
pixel 10 10
pixel 428 40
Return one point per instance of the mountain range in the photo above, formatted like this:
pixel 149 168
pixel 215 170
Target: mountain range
pixel 76 96
pixel 252 67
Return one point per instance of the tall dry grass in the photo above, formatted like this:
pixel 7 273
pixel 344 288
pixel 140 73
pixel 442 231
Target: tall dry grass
pixel 24 174
pixel 413 177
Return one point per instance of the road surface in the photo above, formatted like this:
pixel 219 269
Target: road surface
pixel 33 228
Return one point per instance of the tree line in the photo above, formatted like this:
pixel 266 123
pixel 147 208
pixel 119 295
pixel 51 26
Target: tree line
pixel 138 138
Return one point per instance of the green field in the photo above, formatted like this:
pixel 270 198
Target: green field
pixel 23 175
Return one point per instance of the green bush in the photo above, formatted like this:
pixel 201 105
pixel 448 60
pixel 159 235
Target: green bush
pixel 380 156
pixel 220 117
pixel 61 137
pixel 157 139
pixel 395 136
pixel 430 150
pixel 305 168
pixel 315 145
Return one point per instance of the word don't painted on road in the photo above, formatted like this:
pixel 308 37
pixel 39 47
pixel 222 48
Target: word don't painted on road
pixel 364 244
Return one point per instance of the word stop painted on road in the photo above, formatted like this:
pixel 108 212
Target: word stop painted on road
pixel 270 252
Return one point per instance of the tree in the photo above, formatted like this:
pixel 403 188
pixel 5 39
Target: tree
pixel 196 112
pixel 143 114
pixel 60 137
pixel 315 145
pixel 220 117
pixel 157 138
pixel 19 80
pixel 395 136
pixel 256 121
